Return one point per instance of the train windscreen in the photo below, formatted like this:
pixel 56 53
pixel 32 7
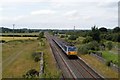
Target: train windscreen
pixel 71 48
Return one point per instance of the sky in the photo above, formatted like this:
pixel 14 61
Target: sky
pixel 58 14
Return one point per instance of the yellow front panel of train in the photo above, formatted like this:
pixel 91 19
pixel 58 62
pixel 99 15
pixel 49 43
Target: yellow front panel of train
pixel 72 53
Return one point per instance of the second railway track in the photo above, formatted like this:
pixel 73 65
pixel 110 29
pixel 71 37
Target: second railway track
pixel 71 68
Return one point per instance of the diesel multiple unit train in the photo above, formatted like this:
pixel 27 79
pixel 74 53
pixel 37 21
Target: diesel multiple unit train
pixel 69 50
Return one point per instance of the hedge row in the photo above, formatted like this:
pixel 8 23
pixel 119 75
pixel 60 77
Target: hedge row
pixel 19 35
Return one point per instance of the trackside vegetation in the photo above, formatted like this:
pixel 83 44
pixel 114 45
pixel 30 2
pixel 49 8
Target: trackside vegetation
pixel 21 59
pixel 50 69
pixel 100 41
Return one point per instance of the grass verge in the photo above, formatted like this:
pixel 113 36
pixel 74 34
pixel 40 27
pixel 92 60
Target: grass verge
pixel 111 57
pixel 101 68
pixel 50 69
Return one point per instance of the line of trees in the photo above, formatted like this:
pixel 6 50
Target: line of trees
pixel 98 34
pixel 24 30
pixel 19 35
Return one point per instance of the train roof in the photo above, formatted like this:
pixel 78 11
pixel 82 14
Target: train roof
pixel 61 41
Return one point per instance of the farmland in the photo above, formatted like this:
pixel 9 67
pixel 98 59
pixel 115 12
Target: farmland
pixel 16 38
pixel 36 33
pixel 16 57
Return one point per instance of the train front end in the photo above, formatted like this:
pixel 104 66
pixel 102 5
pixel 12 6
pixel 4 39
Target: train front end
pixel 72 50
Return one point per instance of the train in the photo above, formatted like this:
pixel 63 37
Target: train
pixel 67 49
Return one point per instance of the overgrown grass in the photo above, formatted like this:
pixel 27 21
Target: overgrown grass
pixel 36 33
pixel 16 66
pixel 50 69
pixel 101 68
pixel 13 47
pixel 110 57
pixel 16 38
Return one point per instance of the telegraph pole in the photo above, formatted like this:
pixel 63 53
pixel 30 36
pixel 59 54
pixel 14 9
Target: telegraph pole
pixel 13 30
pixel 74 28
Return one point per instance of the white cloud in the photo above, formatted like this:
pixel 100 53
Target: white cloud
pixel 4 1
pixel 4 18
pixel 58 2
pixel 42 12
pixel 72 15
pixel 108 4
pixel 77 12
pixel 19 17
pixel 87 18
pixel 1 8
pixel 67 1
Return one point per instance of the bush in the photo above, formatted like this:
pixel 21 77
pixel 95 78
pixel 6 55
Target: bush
pixel 36 59
pixel 62 36
pixel 36 56
pixel 91 46
pixel 2 41
pixel 109 45
pixel 83 49
pixel 94 45
pixel 108 37
pixel 108 63
pixel 41 35
pixel 72 37
pixel 87 39
pixel 116 37
pixel 31 74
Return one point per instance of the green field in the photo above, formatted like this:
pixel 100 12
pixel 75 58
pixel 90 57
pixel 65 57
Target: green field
pixel 19 33
pixel 17 59
pixel 16 38
pixel 111 57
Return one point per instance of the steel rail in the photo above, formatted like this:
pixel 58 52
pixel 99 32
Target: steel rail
pixel 86 70
pixel 55 57
pixel 74 77
pixel 52 45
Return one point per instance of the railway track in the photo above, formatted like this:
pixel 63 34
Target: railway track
pixel 66 71
pixel 71 68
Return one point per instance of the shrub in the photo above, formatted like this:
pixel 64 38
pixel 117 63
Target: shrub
pixel 109 45
pixel 91 46
pixel 108 63
pixel 116 37
pixel 41 35
pixel 87 39
pixel 72 37
pixel 37 58
pixel 31 74
pixel 83 49
pixel 94 45
pixel 62 36
pixel 2 41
